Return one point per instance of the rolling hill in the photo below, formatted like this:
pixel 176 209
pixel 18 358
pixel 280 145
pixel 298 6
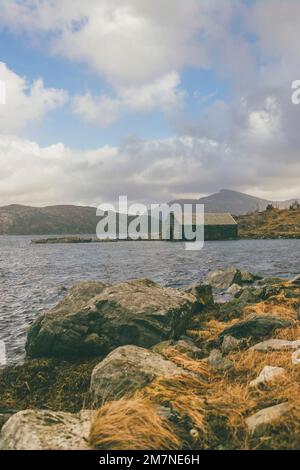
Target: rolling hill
pixel 52 220
pixel 68 219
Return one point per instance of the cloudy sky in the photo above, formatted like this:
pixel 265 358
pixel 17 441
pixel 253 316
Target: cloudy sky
pixel 154 99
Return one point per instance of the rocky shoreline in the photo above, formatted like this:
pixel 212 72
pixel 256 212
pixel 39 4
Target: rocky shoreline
pixel 136 365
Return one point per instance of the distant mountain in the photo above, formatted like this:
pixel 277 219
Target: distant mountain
pixel 234 202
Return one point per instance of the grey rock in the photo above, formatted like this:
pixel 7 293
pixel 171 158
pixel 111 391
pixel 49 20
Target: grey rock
pixel 46 430
pixel 223 279
pixel 183 346
pixel 94 319
pixel 268 374
pixel 218 362
pixel 234 289
pixel 256 326
pixel 269 281
pixel 276 345
pixel 251 295
pixel 231 309
pixel 231 344
pixel 249 278
pixel 260 421
pixel 296 280
pixel 126 370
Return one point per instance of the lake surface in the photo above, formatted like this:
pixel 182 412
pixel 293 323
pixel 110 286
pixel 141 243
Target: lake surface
pixel 33 277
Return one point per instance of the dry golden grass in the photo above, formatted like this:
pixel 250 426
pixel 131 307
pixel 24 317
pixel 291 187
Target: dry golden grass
pixel 210 330
pixel 227 404
pixel 184 396
pixel 230 400
pixel 196 366
pixel 205 413
pixel 270 224
pixel 248 365
pixel 132 424
pixel 283 307
pixel 207 409
pixel 286 432
pixel 290 334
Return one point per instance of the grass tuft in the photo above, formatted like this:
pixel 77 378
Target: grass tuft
pixel 132 424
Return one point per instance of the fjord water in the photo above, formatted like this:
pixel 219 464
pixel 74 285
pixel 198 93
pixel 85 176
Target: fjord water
pixel 34 277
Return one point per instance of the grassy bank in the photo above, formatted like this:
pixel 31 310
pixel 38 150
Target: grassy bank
pixel 273 223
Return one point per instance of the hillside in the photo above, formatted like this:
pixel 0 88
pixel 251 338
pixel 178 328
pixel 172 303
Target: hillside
pixel 234 202
pixel 68 219
pixel 273 223
pixel 25 220
pixel 52 220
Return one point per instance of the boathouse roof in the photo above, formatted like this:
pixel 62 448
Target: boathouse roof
pixel 215 218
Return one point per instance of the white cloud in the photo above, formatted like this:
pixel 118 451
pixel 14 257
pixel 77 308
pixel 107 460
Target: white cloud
pixel 162 94
pixel 146 171
pixel 102 110
pixel 128 42
pixel 140 47
pixel 54 174
pixel 265 123
pixel 26 102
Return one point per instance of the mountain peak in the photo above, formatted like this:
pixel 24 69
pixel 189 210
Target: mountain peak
pixel 235 202
pixel 229 191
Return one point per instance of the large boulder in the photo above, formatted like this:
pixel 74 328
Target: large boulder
pixel 256 326
pixel 126 370
pixel 223 279
pixel 46 430
pixel 135 312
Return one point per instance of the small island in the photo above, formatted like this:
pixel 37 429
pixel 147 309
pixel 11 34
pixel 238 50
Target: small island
pixel 55 240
